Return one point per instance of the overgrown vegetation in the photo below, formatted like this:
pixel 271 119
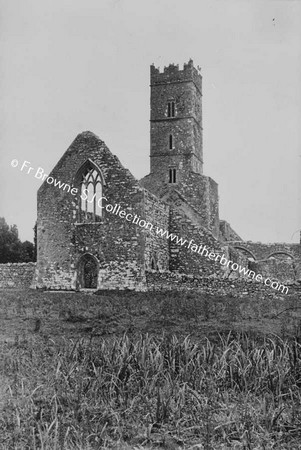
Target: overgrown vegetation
pixel 153 391
pixel 113 380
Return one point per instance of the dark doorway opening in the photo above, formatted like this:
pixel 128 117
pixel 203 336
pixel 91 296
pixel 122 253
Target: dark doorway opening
pixel 88 272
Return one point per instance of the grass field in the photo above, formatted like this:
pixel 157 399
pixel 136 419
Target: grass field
pixel 144 371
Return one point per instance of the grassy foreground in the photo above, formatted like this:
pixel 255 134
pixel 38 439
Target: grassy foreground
pixel 145 371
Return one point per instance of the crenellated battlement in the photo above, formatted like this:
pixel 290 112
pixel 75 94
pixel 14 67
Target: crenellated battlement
pixel 172 74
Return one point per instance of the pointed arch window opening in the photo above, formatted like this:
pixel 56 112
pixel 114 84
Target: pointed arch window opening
pixel 153 263
pixel 90 196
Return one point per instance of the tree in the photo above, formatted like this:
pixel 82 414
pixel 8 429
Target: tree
pixel 4 239
pixel 27 251
pixel 11 248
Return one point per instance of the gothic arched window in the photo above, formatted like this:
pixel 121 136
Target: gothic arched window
pixel 90 185
pixel 153 262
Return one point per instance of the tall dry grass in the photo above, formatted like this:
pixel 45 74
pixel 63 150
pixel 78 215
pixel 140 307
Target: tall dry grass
pixel 144 391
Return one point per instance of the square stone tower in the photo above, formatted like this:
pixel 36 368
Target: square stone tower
pixel 176 121
pixel 176 145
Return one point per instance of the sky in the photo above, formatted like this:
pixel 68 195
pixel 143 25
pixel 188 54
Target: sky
pixel 68 66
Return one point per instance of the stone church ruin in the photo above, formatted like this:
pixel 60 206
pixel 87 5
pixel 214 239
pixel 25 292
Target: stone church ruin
pixel 83 246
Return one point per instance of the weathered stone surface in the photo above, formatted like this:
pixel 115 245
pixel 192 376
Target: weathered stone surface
pixel 226 233
pixel 215 285
pixel 16 275
pixel 184 89
pixel 278 260
pixel 119 246
pixel 200 193
pixel 108 251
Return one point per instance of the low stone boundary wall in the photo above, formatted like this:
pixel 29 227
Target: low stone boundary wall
pixel 20 275
pixel 16 275
pixel 237 287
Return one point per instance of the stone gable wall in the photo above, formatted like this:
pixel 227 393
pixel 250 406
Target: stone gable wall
pixel 116 243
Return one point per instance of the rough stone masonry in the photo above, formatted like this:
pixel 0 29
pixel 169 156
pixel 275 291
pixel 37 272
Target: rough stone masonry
pixel 82 246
